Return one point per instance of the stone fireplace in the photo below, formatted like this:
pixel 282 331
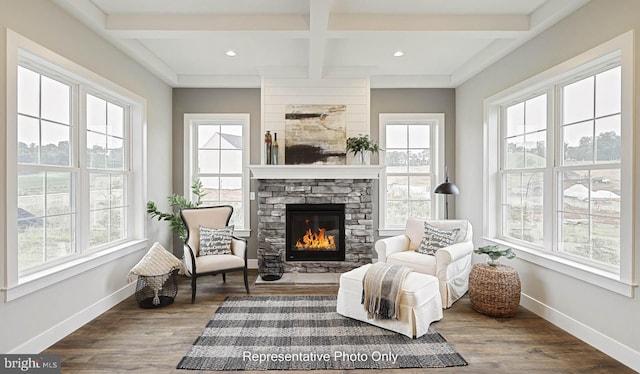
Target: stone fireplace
pixel 282 186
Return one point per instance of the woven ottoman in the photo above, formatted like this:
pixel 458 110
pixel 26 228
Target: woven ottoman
pixel 494 290
pixel 420 302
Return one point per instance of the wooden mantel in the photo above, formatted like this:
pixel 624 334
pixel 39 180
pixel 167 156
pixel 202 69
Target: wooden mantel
pixel 315 171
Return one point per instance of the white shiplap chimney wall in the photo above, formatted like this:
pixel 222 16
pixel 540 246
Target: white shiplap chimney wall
pixel 278 93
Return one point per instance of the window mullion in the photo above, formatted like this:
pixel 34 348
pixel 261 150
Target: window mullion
pixel 219 150
pixel 83 220
pixel 554 154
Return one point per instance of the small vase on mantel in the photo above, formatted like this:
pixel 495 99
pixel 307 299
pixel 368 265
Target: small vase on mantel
pixel 361 147
pixel 364 158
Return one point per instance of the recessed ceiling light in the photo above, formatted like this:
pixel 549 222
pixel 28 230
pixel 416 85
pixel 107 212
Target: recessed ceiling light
pixel 230 53
pixel 398 53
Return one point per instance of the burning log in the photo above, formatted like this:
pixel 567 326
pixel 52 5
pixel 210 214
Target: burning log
pixel 317 240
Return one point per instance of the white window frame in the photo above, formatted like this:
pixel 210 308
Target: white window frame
pixel 437 123
pixel 191 121
pixel 503 153
pixel 14 284
pixel 127 171
pixel 619 49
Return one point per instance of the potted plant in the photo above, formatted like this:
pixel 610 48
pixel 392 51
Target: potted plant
pixel 361 144
pixel 494 252
pixel 178 202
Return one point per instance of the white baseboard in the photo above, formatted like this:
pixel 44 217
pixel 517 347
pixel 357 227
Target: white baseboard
pixel 252 263
pixel 49 337
pixel 613 348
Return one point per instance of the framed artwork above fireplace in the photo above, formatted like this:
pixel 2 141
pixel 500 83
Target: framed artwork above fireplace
pixel 315 134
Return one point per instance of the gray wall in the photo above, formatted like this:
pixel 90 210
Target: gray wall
pixel 42 316
pixel 599 316
pixel 247 100
pixel 418 100
pixel 216 100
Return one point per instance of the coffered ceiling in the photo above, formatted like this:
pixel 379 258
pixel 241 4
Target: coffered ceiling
pixel 445 42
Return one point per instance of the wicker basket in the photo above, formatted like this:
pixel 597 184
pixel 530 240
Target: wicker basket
pixel 270 267
pixel 494 290
pixel 156 291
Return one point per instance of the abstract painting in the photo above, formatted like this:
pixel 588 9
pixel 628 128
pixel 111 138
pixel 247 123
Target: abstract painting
pixel 315 134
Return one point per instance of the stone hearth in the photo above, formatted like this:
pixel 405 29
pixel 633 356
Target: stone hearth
pixel 356 194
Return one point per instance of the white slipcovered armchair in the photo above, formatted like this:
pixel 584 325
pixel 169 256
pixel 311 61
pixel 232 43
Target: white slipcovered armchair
pixel 451 265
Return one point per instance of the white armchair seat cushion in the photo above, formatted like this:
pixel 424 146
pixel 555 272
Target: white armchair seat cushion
pixel 425 264
pixel 206 264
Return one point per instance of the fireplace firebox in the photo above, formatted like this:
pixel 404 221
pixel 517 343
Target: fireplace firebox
pixel 315 232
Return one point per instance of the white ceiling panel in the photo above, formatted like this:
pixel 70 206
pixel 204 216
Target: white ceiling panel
pixel 436 55
pixel 207 55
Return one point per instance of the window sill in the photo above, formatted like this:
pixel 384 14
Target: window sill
pixel 35 282
pixel 390 232
pixel 243 233
pixel 585 273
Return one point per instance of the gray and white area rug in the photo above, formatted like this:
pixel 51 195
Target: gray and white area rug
pixel 306 333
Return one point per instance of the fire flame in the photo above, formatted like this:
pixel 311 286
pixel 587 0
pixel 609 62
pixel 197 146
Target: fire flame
pixel 312 240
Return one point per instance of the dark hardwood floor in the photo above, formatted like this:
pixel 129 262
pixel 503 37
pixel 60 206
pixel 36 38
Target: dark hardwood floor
pixel 130 339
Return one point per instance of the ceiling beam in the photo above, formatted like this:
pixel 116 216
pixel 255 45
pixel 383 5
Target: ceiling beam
pixel 319 11
pixel 205 81
pixel 191 34
pixel 411 81
pixel 428 22
pixel 206 22
pixel 321 21
pixel 553 11
pixel 473 34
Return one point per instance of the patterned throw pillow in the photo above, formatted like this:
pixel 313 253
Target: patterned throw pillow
pixel 435 238
pixel 215 241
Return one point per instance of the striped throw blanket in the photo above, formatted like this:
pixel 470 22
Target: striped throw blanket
pixel 381 290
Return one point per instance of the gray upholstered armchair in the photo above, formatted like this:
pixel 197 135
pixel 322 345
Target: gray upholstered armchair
pixel 196 264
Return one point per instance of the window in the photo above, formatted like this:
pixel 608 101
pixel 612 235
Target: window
pixel 217 148
pixel 72 174
pixel 107 166
pixel 50 176
pixel 587 173
pixel 588 211
pixel 412 155
pixel 524 163
pixel 563 184
pixel 46 200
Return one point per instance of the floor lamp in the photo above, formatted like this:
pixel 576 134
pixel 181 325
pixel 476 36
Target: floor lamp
pixel 447 188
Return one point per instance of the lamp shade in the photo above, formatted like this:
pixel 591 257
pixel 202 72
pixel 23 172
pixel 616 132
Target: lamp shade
pixel 447 188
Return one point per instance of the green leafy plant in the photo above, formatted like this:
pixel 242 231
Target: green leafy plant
pixel 494 252
pixel 178 202
pixel 361 144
